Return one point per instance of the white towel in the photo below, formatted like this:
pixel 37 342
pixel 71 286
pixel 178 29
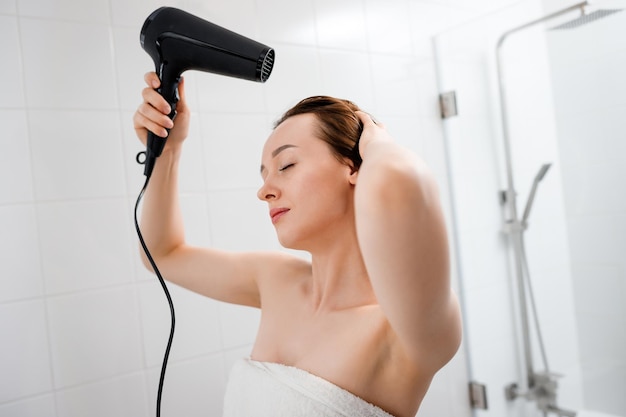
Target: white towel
pixel 265 389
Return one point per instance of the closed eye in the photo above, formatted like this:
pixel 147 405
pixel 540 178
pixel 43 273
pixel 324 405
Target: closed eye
pixel 285 167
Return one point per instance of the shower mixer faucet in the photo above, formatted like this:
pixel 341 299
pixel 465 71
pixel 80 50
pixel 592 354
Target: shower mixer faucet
pixel 543 392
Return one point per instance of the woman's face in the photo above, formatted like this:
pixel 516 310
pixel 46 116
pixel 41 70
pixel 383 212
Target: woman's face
pixel 308 190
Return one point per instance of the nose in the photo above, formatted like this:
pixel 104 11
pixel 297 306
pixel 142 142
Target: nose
pixel 267 192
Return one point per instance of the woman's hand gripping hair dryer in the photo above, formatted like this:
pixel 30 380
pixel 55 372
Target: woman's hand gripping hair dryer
pixel 178 41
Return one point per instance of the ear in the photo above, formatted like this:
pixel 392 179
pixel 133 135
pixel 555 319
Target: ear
pixel 354 173
pixel 351 171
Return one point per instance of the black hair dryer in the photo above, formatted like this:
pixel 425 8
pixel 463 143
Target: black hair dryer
pixel 178 41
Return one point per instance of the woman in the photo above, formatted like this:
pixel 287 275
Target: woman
pixel 365 325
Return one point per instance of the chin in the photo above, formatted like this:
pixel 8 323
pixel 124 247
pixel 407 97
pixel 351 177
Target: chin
pixel 290 244
pixel 290 241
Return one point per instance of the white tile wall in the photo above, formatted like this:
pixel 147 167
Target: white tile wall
pixel 94 11
pixel 239 324
pixel 388 26
pixel 40 406
pixel 240 210
pixel 428 19
pixel 287 22
pixel 232 148
pixel 348 64
pixel 16 179
pixel 19 236
pixel 85 244
pixel 68 65
pixel 91 153
pixel 85 323
pixel 341 24
pixel 196 212
pixel 25 362
pixel 8 7
pixel 10 50
pixel 396 80
pixel 121 396
pixel 94 335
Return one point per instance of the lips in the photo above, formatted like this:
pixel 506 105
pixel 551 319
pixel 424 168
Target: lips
pixel 277 213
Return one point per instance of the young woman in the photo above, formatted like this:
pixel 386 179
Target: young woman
pixel 364 326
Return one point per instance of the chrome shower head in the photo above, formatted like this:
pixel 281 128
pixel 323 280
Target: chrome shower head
pixel 531 197
pixel 586 18
pixel 542 172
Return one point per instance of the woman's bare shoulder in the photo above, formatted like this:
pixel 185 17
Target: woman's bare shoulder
pixel 279 274
pixel 278 266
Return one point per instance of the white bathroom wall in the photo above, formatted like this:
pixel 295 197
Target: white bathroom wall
pixel 466 61
pixel 587 66
pixel 83 325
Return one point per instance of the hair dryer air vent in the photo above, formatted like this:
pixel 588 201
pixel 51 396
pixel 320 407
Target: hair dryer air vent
pixel 266 66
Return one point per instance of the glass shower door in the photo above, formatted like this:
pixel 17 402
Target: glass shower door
pixel 566 102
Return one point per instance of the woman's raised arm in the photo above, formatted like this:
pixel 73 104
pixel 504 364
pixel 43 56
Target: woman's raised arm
pixel 403 239
pixel 226 276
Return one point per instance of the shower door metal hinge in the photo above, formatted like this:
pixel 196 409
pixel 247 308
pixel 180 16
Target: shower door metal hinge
pixel 447 104
pixel 478 395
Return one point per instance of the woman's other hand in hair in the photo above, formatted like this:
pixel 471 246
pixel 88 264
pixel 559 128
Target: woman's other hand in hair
pixel 373 131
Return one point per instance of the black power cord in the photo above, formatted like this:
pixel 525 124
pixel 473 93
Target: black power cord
pixel 167 294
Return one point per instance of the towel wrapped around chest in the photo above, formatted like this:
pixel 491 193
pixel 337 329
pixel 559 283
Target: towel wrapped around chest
pixel 265 389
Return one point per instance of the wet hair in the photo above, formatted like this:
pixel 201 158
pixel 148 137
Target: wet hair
pixel 338 125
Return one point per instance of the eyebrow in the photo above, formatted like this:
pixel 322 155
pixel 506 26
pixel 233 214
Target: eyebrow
pixel 278 150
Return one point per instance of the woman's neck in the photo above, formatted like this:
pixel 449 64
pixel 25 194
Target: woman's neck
pixel 339 278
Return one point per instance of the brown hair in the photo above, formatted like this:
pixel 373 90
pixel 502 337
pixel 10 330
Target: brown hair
pixel 338 125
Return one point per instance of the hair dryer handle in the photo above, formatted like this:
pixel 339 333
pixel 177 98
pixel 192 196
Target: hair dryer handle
pixel 155 144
